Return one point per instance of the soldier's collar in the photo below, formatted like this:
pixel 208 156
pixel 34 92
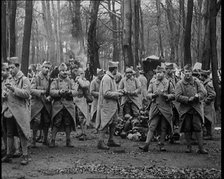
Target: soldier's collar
pixel 131 78
pixel 191 81
pixel 18 75
pixel 110 74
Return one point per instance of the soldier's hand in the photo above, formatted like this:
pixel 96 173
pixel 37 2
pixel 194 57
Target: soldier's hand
pixel 4 95
pixel 165 96
pixel 48 98
pixel 191 99
pixel 10 87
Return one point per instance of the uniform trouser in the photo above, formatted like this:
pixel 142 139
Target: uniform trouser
pixel 13 128
pixel 159 119
pixel 208 126
pixel 41 120
pixel 131 108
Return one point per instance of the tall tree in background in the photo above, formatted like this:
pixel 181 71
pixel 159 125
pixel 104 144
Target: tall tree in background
pixel 187 35
pixel 12 10
pixel 93 47
pixel 26 36
pixel 3 32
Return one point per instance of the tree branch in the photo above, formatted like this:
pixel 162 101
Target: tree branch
pixel 119 17
pixel 117 31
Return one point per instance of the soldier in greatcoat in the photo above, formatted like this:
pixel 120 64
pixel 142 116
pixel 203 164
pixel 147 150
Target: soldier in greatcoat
pixel 16 110
pixel 143 81
pixel 62 90
pixel 41 103
pixel 190 93
pixel 131 100
pixel 208 104
pixel 81 105
pixel 107 109
pixel 94 90
pixel 161 93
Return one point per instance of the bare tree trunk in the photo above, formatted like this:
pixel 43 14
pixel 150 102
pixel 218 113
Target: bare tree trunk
pixel 187 37
pixel 199 28
pixel 142 52
pixel 159 29
pixel 13 6
pixel 26 36
pixel 127 50
pixel 3 32
pixel 93 47
pixel 60 50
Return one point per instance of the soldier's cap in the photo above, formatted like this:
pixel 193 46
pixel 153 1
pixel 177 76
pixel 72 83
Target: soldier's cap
pixel 62 66
pixel 170 66
pixel 159 69
pixel 46 63
pixel 128 70
pixel 13 60
pixel 113 64
pixel 205 72
pixel 187 67
pixel 99 71
pixel 5 65
pixel 196 72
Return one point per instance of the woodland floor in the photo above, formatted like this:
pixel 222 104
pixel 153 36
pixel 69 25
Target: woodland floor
pixel 86 161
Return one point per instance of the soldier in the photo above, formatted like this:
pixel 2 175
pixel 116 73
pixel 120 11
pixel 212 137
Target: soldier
pixel 143 81
pixel 161 93
pixel 41 103
pixel 82 108
pixel 16 111
pixel 209 109
pixel 131 100
pixel 94 90
pixel 62 90
pixel 189 93
pixel 107 108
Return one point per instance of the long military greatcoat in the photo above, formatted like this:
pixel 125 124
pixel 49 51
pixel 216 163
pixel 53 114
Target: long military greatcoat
pixel 209 109
pixel 18 102
pixel 184 90
pixel 108 103
pixel 165 107
pixel 143 87
pixel 58 105
pixel 94 90
pixel 38 85
pixel 133 85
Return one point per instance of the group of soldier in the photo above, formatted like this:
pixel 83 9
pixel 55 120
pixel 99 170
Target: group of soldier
pixel 62 103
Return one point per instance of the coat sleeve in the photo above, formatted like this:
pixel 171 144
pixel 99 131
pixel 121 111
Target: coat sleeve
pixel 179 94
pixel 107 93
pixel 73 88
pixel 202 92
pixel 23 92
pixel 121 84
pixel 35 89
pixel 54 92
pixel 171 92
pixel 138 86
pixel 150 90
pixel 93 89
pixel 83 83
pixel 211 94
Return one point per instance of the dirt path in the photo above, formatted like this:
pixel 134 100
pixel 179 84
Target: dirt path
pixel 85 161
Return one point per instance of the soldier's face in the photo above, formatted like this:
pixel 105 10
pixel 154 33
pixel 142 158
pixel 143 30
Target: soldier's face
pixel 129 75
pixel 160 75
pixel 63 73
pixel 187 74
pixel 45 70
pixel 13 69
pixel 114 72
pixel 5 72
pixel 100 76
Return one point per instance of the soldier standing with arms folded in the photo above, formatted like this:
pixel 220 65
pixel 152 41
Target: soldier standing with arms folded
pixel 16 111
pixel 189 93
pixel 107 109
pixel 161 93
pixel 41 103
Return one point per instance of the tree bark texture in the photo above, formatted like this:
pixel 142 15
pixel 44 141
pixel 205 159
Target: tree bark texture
pixel 3 32
pixel 26 36
pixel 187 37
pixel 93 47
pixel 13 6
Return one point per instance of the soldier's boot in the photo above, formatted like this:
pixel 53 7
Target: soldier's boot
pixel 18 152
pixel 145 148
pixel 101 145
pixel 46 142
pixel 188 142
pixel 25 160
pixel 208 136
pixel 111 142
pixel 201 149
pixel 68 140
pixel 162 140
pixel 8 157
